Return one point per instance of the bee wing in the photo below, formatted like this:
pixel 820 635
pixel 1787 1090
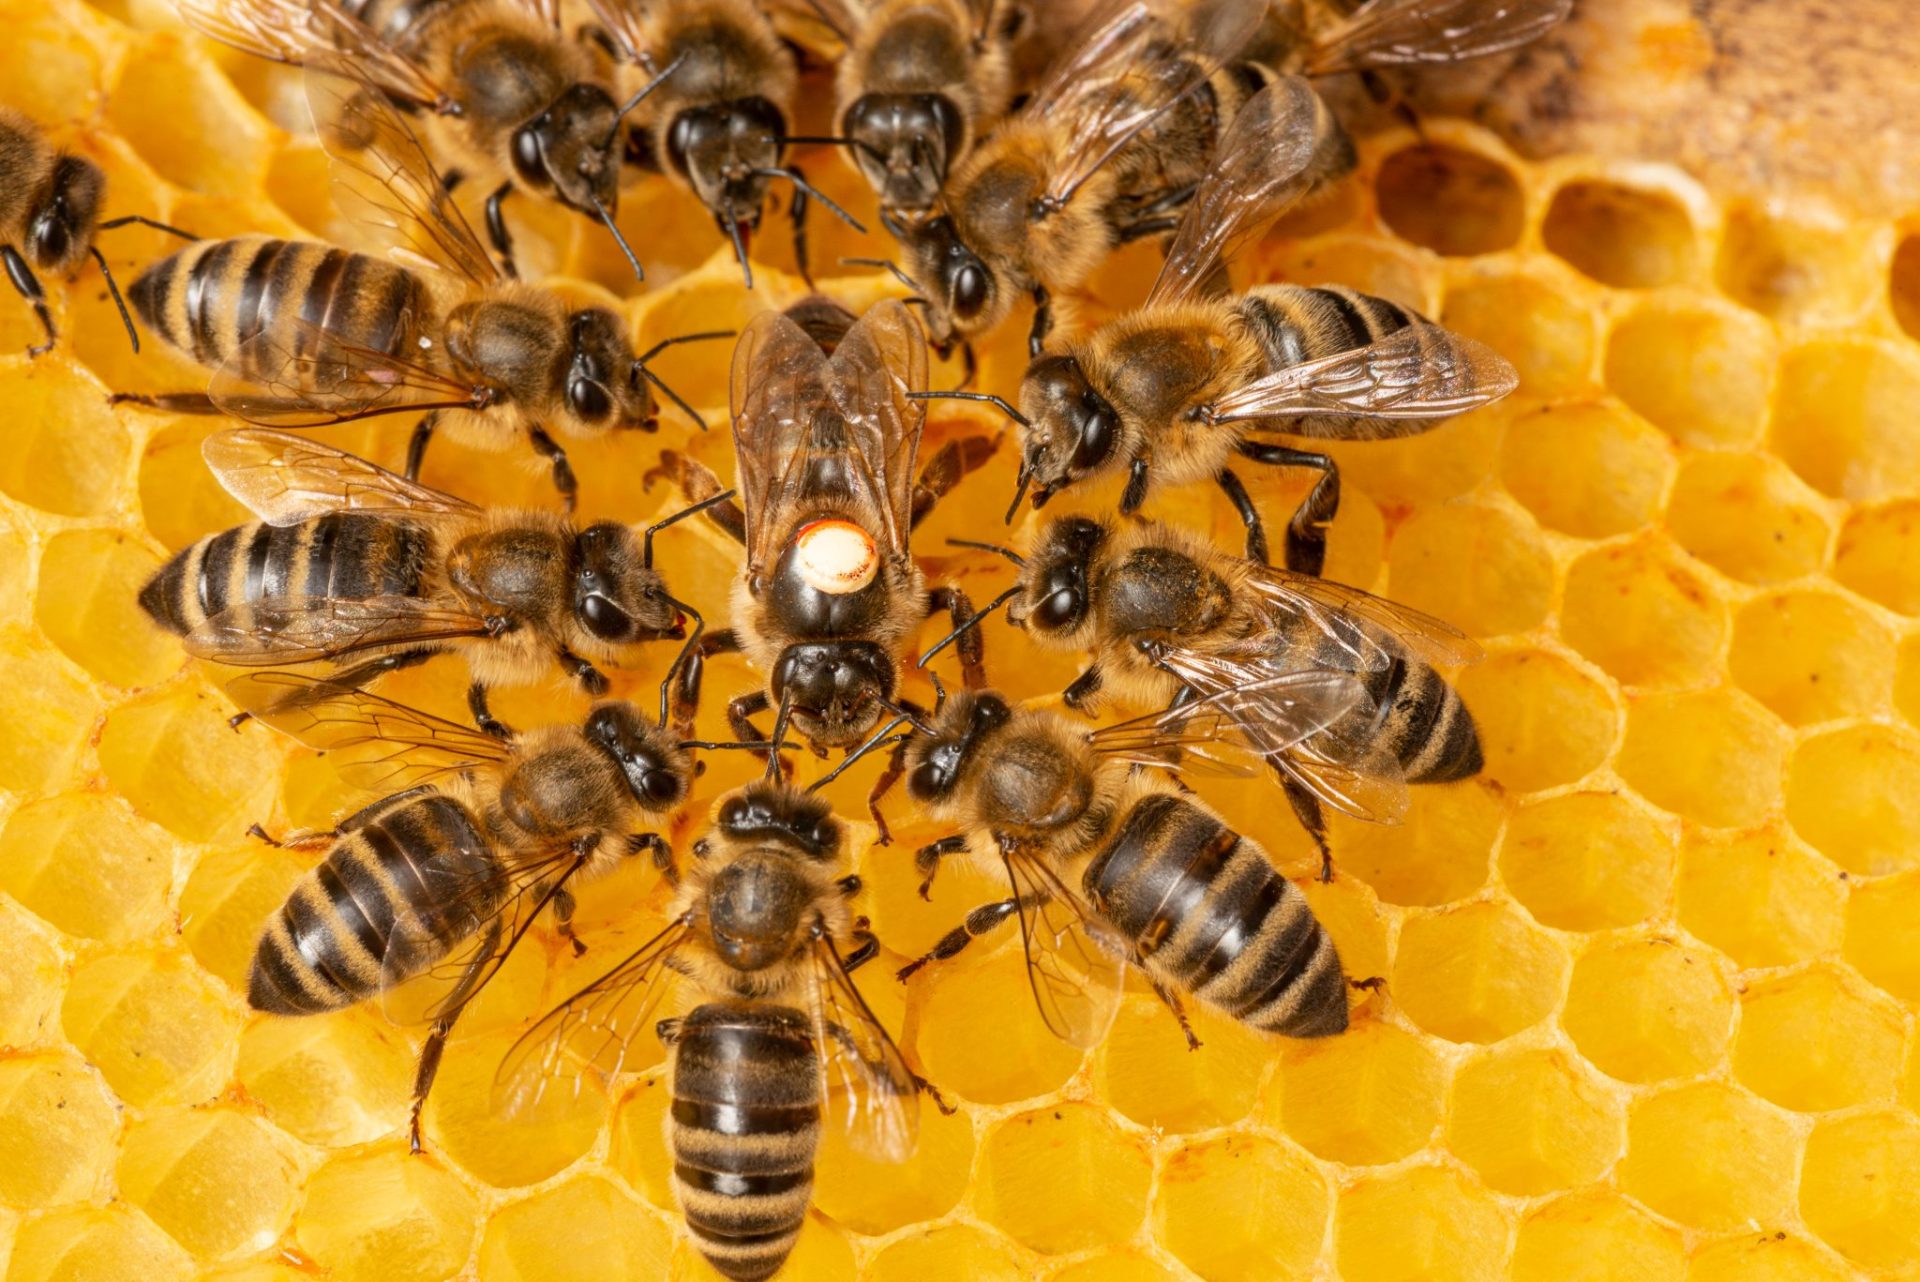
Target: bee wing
pixel 1344 614
pixel 1238 728
pixel 284 479
pixel 299 31
pixel 1260 169
pixel 1076 963
pixel 626 22
pixel 1405 33
pixel 311 377
pixel 589 1031
pixel 310 629
pixel 1364 780
pixel 882 359
pixel 778 385
pixel 382 176
pixel 869 1088
pixel 1399 386
pixel 373 742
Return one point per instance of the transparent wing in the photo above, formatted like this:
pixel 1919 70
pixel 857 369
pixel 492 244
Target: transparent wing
pixel 881 360
pixel 869 1088
pixel 372 741
pixel 382 177
pixel 298 31
pixel 1237 728
pixel 1406 33
pixel 1399 386
pixel 1262 168
pixel 284 479
pixel 591 1030
pixel 1075 962
pixel 779 385
pixel 311 377
pixel 625 21
pixel 1346 614
pixel 310 629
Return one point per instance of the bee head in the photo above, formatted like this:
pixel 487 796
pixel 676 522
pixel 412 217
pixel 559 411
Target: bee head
pixel 949 268
pixel 568 149
pixel 61 229
pixel 1072 429
pixel 652 763
pixel 598 383
pixel 756 905
pixel 960 730
pixel 766 810
pixel 726 152
pixel 834 688
pixel 617 598
pixel 1054 599
pixel 904 143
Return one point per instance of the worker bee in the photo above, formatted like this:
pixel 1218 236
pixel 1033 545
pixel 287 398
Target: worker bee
pixel 444 877
pixel 352 565
pixel 1169 619
pixel 1169 392
pixel 1113 866
pixel 517 99
pixel 303 335
pixel 781 1045
pixel 719 124
pixel 49 212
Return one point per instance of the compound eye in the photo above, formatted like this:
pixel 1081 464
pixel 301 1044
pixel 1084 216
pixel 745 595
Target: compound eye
pixel 969 289
pixel 662 787
pixel 1061 609
pixel 929 780
pixel 529 158
pixel 603 618
pixel 1098 427
pixel 682 134
pixel 50 241
pixel 588 400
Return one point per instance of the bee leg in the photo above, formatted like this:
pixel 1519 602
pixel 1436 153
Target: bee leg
pixel 1142 228
pixel 497 230
pixel 436 1044
pixel 797 213
pixel 563 904
pixel 29 286
pixel 299 840
pixel 896 766
pixel 1371 984
pixel 1042 322
pixel 171 402
pixel 926 860
pixel 1079 695
pixel 686 692
pixel 865 951
pixel 739 713
pixel 482 716
pixel 1249 515
pixel 563 479
pixel 668 1030
pixel 417 444
pixel 656 846
pixel 1136 492
pixel 697 481
pixel 1174 1004
pixel 1313 818
pixel 946 469
pixel 971 649
pixel 1307 531
pixel 977 923
pixel 591 679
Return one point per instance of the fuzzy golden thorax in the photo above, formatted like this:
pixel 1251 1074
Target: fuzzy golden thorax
pixel 575 370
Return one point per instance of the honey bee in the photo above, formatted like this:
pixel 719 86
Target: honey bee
pixel 352 565
pixel 49 213
pixel 445 877
pixel 516 97
pixel 303 335
pixel 1171 391
pixel 1113 866
pixel 1169 619
pixel 781 1045
pixel 720 123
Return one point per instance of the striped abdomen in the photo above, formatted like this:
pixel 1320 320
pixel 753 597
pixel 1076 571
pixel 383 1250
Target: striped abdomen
pixel 1294 324
pixel 388 872
pixel 1208 915
pixel 209 299
pixel 343 555
pixel 744 1129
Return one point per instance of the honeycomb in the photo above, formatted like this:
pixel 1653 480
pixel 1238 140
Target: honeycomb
pixel 1650 982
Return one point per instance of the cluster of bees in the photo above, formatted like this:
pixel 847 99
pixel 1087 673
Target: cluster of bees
pixel 1191 121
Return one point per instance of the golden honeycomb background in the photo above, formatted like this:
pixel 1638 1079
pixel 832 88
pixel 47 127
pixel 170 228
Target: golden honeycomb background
pixel 1651 983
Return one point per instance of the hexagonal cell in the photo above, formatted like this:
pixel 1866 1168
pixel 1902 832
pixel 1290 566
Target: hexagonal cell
pixel 1547 334
pixel 1794 272
pixel 1648 1010
pixel 873 1197
pixel 171 1164
pixel 1439 854
pixel 1369 264
pixel 1710 1156
pixel 227 901
pixel 332 1080
pixel 173 756
pixel 1420 1223
pixel 1020 1061
pixel 32 978
pixel 462 1122
pixel 179 499
pixel 1532 1122
pixel 1150 1076
pixel 607 1235
pixel 1432 467
pixel 1903 285
pixel 1587 861
pixel 68 450
pixel 58 1127
pixel 387 1216
pixel 1588 469
pixel 95 1242
pixel 1714 757
pixel 1063 1179
pixel 1642 613
pixel 1370 1096
pixel 1627 237
pixel 1351 916
pixel 1595 1237
pixel 1906 680
pixel 1120 1265
pixel 84 863
pixel 1477 974
pixel 1860 1190
pixel 158 1030
pixel 1765 1257
pixel 50 63
pixel 1878 548
pixel 1812 656
pixel 1814 1042
pixel 1847 418
pixel 1854 795
pixel 1701 375
pixel 187 121
pixel 1482 568
pixel 1198 1181
pixel 1747 516
pixel 51 708
pixel 1879 939
pixel 950 1253
pixel 1450 200
pixel 99 571
pixel 1759 896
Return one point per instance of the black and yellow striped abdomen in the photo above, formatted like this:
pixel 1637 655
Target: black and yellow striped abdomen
pixel 346 556
pixel 214 296
pixel 1208 915
pixel 386 875
pixel 1411 709
pixel 744 1129
pixel 1293 324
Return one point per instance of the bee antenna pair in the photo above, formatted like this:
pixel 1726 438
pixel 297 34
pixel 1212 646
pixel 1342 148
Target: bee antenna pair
pixel 879 739
pixel 998 402
pixel 640 368
pixel 892 269
pixel 793 175
pixel 113 288
pixel 613 229
pixel 979 616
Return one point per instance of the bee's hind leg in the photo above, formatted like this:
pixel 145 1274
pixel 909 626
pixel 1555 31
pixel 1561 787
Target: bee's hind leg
pixel 1249 515
pixel 29 286
pixel 436 1044
pixel 1307 531
pixel 563 479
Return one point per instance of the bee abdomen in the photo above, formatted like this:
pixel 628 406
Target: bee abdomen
pixel 328 945
pixel 1427 723
pixel 1294 324
pixel 744 1129
pixel 1208 914
pixel 342 555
